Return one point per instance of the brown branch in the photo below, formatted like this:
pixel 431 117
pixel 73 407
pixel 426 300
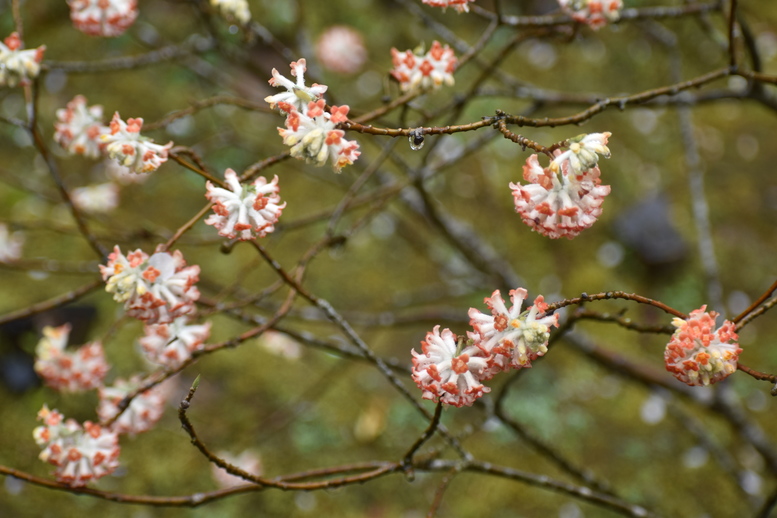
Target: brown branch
pixel 47 305
pixel 760 300
pixel 582 299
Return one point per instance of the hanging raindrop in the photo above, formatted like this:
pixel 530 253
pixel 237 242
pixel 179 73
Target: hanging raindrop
pixel 416 139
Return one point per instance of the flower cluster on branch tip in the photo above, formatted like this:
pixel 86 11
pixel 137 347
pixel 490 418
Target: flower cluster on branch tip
pixel 79 127
pixel 310 130
pixel 594 13
pixel 451 369
pixel 80 370
pixel 128 147
pixel 700 354
pixel 106 18
pixel 17 66
pixel 80 453
pixel 143 412
pixel 173 343
pixel 416 70
pixel 564 198
pixel 155 289
pixel 461 6
pixel 244 211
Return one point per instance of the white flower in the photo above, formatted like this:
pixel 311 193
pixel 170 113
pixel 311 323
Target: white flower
pixel 244 211
pixel 96 198
pixel 415 70
pixel 582 153
pixel 10 244
pixel 106 18
pixel 129 148
pixel 341 49
pixel 80 453
pixel 172 344
pixel 18 67
pixel 296 94
pixel 595 13
pixel 233 10
pixel 313 137
pixel 143 412
pixel 79 127
pixel 79 370
pixel 446 373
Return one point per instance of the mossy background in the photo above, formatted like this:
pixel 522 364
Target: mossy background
pixel 321 410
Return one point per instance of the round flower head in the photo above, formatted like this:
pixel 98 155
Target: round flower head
pixel 313 136
pixel 79 127
pixel 80 453
pixel 233 10
pixel 559 205
pixel 341 49
pixel 699 354
pixel 154 289
pixel 595 13
pixel 107 18
pixel 82 369
pixel 17 66
pixel 461 6
pixel 128 147
pixel 296 94
pixel 143 412
pixel 511 338
pixel 10 244
pixel 415 70
pixel 447 371
pixel 244 211
pixel 172 344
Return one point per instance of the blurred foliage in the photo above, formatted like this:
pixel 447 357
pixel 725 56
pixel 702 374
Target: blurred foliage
pixel 322 410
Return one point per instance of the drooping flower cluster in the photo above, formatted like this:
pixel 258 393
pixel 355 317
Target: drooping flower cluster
pixel 416 70
pixel 173 343
pixel 236 10
pixel 451 369
pixel 80 453
pixel 595 13
pixel 128 147
pixel 698 353
pixel 10 244
pixel 143 412
pixel 80 370
pixel 17 66
pixel 314 138
pixel 244 211
pixel 155 289
pixel 341 49
pixel 79 127
pixel 311 130
pixel 461 6
pixel 107 18
pixel 564 198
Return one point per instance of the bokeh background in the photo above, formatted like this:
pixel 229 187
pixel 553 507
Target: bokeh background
pixel 299 406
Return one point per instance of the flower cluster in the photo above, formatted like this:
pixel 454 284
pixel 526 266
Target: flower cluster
pixel 10 244
pixel 143 412
pixel 311 130
pixel 313 136
pixel 172 344
pixel 244 211
pixel 595 13
pixel 79 128
pixel 17 66
pixel 233 10
pixel 416 70
pixel 128 147
pixel 83 369
pixel 451 369
pixel 461 6
pixel 564 198
pixel 80 453
pixel 107 18
pixel 155 289
pixel 341 49
pixel 700 354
